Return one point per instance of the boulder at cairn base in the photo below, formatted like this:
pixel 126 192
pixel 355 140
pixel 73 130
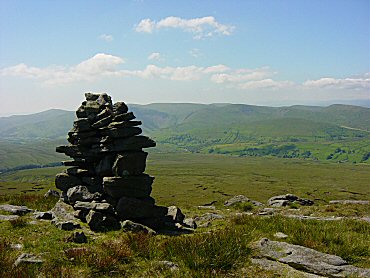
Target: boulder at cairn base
pixel 132 208
pixel 128 186
pixel 64 181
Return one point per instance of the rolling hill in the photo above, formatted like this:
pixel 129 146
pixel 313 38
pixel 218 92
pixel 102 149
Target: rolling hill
pixel 236 128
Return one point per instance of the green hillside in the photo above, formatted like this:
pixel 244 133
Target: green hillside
pixel 13 154
pixel 339 133
pixel 51 124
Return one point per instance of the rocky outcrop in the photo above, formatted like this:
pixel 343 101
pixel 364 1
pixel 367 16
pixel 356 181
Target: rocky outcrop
pixel 241 199
pixel 106 183
pixel 307 260
pixel 287 199
pixel 18 210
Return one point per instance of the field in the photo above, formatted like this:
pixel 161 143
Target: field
pixel 188 180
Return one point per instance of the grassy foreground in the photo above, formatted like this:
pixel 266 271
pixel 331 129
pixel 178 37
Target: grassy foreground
pixel 221 250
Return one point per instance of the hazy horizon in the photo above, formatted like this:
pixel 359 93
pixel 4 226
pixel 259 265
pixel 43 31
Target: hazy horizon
pixel 361 103
pixel 250 52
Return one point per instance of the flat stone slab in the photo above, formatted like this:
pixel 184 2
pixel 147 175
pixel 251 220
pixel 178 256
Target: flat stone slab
pixel 307 260
pixel 130 186
pixel 345 202
pixel 131 226
pixel 208 217
pixel 305 217
pixel 8 217
pixel 18 210
pixel 28 259
pixel 241 199
pixel 283 269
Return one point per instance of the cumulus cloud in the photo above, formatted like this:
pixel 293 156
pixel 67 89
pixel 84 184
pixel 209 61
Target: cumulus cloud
pixel 241 75
pixel 350 83
pixel 247 79
pixel 105 37
pixel 216 69
pixel 154 56
pixel 99 65
pixel 178 73
pixel 145 26
pixel 266 84
pixel 104 65
pixel 201 27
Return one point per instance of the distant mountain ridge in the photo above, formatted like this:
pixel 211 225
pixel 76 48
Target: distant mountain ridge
pixel 55 123
pixel 337 133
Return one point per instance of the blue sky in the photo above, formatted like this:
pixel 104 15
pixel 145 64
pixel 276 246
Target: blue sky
pixel 256 52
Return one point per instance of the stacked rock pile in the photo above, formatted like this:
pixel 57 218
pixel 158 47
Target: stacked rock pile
pixel 106 182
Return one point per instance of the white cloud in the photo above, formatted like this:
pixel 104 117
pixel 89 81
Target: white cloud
pixel 170 73
pixel 216 69
pixel 242 75
pixel 104 65
pixel 89 70
pixel 195 52
pixel 145 26
pixel 201 27
pixel 266 84
pixel 105 37
pixel 350 83
pixel 249 79
pixel 154 56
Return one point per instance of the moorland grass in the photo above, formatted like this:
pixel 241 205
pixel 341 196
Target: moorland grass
pixel 188 180
pixel 219 252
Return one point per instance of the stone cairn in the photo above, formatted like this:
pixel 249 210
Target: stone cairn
pixel 106 183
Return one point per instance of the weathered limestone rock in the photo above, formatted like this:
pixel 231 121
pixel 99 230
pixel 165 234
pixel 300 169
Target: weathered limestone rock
pixel 81 193
pixel 26 258
pixel 132 163
pixel 8 217
pixel 285 200
pixel 52 192
pixel 121 132
pixel 106 182
pixel 135 143
pixel 174 214
pixel 241 199
pixel 43 215
pixel 282 270
pixel 131 226
pixel 132 208
pixel 64 181
pixel 128 186
pixel 77 237
pixel 280 235
pixel 190 222
pixel 67 225
pixel 308 260
pixel 63 211
pixel 100 222
pixel 208 217
pixel 18 210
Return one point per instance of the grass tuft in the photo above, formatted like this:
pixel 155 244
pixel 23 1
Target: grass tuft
pixel 208 254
